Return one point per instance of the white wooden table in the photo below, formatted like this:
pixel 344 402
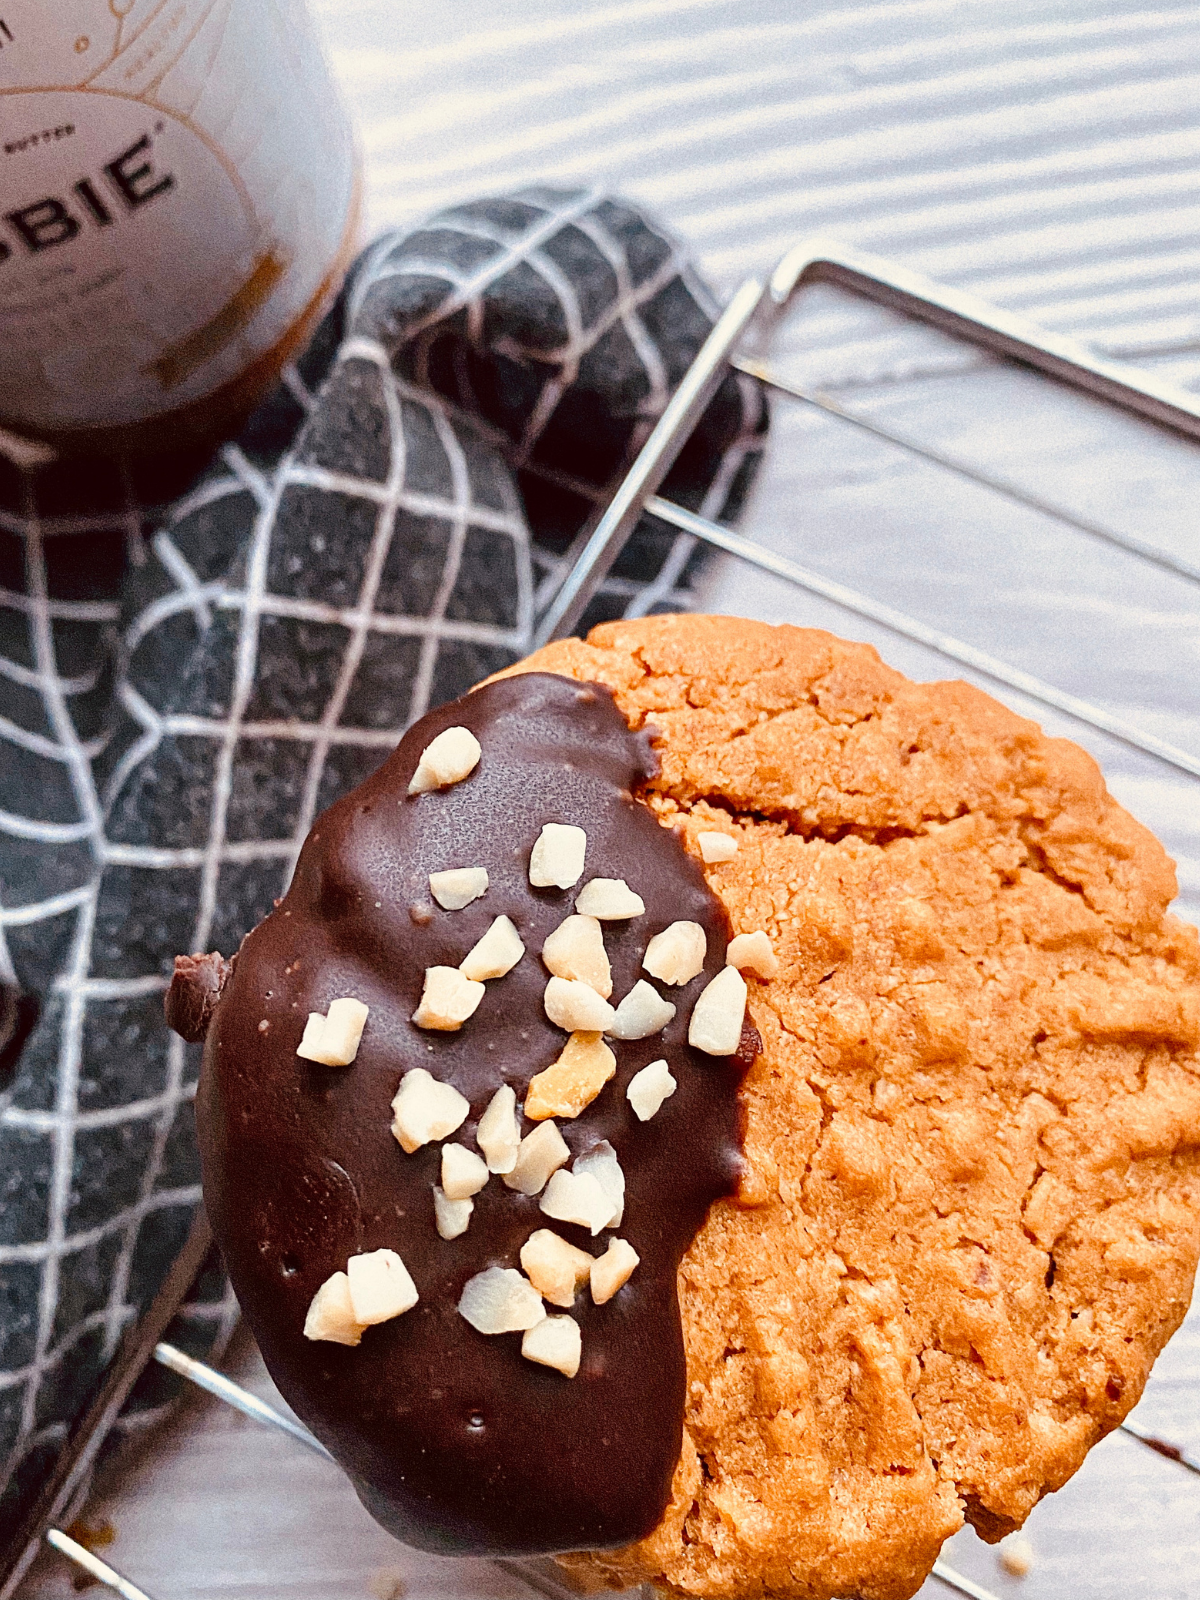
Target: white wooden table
pixel 1042 155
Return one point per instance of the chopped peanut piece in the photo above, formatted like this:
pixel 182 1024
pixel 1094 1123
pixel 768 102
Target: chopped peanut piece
pixel 716 847
pixel 577 1197
pixel 610 899
pixel 345 1021
pixel 426 1109
pixel 448 759
pixel 601 1163
pixel 447 1000
pixel 613 1270
pixel 495 954
pixel 649 1088
pixel 458 887
pixel 556 1342
pixel 380 1287
pixel 577 1007
pixel 676 955
pixel 573 1081
pixel 753 952
pixel 642 1012
pixel 555 1268
pixel 497 1134
pixel 333 1039
pixel 542 1152
pixel 331 1313
pixel 463 1172
pixel 575 950
pixel 500 1300
pixel 717 1016
pixel 451 1218
pixel 556 861
pixel 312 1040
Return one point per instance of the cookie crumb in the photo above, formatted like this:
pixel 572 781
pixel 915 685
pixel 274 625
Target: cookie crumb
pixel 1016 1555
pixel 387 1583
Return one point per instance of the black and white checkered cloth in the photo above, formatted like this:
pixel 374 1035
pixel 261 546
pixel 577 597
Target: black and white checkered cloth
pixel 182 691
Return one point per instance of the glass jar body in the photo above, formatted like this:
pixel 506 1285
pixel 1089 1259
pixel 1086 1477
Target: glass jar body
pixel 178 200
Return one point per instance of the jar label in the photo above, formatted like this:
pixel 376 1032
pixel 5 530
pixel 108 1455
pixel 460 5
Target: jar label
pixel 175 183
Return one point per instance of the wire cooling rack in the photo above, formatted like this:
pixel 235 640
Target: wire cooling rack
pixel 738 340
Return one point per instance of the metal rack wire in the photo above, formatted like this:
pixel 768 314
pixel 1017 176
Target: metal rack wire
pixel 737 340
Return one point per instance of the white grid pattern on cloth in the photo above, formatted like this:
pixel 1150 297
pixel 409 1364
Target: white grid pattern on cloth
pixel 578 210
pixel 65 1120
pixel 624 309
pixel 88 803
pixel 253 601
pixel 75 985
pixel 36 611
pixel 518 245
pixel 247 601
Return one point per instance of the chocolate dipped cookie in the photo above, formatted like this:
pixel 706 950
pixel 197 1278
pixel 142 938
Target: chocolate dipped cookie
pixel 468 1094
pixel 928 1246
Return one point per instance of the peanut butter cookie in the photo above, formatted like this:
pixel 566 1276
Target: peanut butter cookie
pixel 970 1215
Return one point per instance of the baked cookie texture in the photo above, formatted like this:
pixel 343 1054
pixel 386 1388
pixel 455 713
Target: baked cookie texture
pixel 971 1214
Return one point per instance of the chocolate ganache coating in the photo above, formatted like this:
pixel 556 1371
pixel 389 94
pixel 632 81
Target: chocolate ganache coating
pixel 454 1441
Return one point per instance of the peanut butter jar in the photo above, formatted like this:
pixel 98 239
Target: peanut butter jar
pixel 178 202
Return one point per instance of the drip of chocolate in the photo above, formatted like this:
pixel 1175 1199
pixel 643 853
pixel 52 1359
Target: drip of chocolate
pixel 454 1441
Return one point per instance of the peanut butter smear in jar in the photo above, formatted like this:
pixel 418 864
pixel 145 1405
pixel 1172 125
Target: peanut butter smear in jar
pixel 178 202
